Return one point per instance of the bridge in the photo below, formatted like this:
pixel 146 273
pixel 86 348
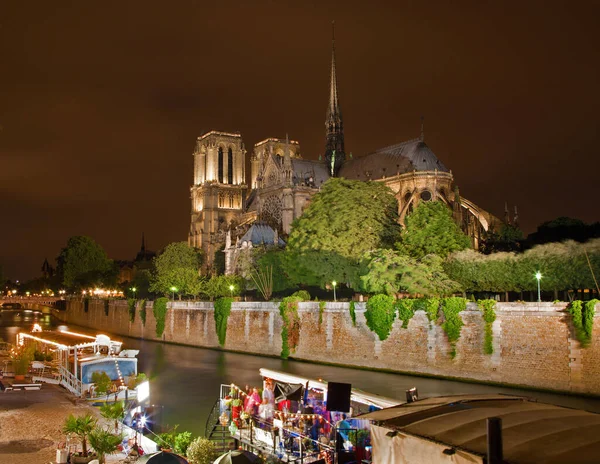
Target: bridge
pixel 29 300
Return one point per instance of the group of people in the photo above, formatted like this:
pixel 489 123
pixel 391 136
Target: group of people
pixel 257 406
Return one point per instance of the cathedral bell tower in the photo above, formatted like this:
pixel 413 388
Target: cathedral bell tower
pixel 335 154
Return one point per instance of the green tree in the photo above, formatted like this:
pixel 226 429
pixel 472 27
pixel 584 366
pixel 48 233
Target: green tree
pixel 223 285
pixel 177 266
pixel 104 443
pixel 344 221
pixel 84 263
pixel 113 411
pixel 81 426
pixel 508 238
pixel 391 272
pixel 430 229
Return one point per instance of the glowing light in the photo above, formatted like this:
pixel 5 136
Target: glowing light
pixel 538 275
pixel 36 328
pixel 143 391
pixel 77 334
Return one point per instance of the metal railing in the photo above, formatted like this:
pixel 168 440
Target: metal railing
pixel 70 382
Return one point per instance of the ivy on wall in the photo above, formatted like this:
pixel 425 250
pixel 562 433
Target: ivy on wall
pixel 159 309
pixel 106 306
pixel 143 311
pixel 290 329
pixel 380 315
pixel 353 313
pixel 131 306
pixel 431 306
pixel 321 309
pixel 583 320
pixel 489 316
pixel 452 307
pixel 221 314
pixel 406 310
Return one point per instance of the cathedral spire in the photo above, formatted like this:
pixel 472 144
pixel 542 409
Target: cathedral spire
pixel 287 162
pixel 334 126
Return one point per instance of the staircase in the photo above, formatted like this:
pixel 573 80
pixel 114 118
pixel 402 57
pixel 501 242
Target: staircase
pixel 216 432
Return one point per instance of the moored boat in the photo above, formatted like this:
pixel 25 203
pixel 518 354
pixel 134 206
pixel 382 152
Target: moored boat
pixel 74 358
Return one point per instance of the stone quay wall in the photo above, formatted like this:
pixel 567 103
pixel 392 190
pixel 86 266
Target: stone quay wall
pixel 534 343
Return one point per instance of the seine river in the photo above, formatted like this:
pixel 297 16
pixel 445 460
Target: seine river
pixel 185 380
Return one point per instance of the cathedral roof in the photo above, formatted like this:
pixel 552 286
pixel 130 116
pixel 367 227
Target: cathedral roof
pixel 413 155
pixel 260 233
pixel 305 169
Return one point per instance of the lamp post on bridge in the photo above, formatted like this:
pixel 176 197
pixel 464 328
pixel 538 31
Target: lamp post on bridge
pixel 173 289
pixel 334 283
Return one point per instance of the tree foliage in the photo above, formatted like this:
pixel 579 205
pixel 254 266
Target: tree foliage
pixel 507 238
pixel 223 285
pixel 391 272
pixel 104 442
pixel 563 266
pixel 430 229
pixel 84 264
pixel 81 426
pixel 344 221
pixel 177 266
pixel 561 229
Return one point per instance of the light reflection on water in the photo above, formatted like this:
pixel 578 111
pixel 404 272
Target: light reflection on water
pixel 185 380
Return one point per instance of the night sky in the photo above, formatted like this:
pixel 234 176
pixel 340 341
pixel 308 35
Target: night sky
pixel 101 102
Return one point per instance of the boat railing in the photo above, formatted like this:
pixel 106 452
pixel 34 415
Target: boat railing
pixel 285 442
pixel 70 382
pixel 213 418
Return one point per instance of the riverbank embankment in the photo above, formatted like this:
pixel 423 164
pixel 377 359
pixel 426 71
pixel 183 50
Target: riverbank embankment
pixel 534 344
pixel 31 424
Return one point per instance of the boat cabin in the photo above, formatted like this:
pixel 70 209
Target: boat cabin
pixel 78 356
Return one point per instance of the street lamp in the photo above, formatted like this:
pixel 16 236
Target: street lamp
pixel 133 289
pixel 231 287
pixel 173 289
pixel 334 283
pixel 538 276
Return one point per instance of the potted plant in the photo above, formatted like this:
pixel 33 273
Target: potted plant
pixel 201 451
pixel 21 360
pixel 104 442
pixel 113 411
pixel 80 426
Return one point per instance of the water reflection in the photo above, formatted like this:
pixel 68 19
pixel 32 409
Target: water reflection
pixel 185 381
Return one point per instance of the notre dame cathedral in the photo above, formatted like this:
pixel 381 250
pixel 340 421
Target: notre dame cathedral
pixel 226 202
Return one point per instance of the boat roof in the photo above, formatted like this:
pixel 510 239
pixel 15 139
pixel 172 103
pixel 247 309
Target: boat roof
pixel 531 431
pixel 357 394
pixel 65 339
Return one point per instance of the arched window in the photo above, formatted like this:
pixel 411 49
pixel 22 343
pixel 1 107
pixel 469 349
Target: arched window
pixel 230 166
pixel 220 164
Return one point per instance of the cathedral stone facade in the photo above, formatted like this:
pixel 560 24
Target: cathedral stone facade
pixel 281 183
